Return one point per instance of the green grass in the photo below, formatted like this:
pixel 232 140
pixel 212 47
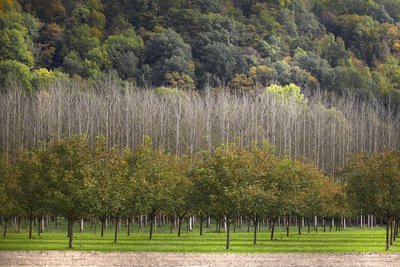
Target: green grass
pixel 348 240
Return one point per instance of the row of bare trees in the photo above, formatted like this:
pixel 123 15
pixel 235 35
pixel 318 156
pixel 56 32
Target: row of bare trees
pixel 323 129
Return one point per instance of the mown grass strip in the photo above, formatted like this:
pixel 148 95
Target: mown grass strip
pixel 348 240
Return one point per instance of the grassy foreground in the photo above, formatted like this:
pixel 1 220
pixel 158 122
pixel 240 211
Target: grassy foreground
pixel 348 240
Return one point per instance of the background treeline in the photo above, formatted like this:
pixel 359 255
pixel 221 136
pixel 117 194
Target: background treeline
pixel 334 45
pixel 78 179
pixel 324 129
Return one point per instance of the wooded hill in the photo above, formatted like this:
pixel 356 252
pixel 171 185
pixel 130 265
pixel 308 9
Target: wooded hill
pixel 340 45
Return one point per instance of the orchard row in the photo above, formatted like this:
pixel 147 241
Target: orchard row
pixel 76 178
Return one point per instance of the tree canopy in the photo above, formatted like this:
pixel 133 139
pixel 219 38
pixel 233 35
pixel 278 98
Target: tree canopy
pixel 338 46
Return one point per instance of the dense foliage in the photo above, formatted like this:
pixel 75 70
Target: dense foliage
pixel 334 45
pixel 373 186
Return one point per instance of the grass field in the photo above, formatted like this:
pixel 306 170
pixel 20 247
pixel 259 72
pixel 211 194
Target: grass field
pixel 348 240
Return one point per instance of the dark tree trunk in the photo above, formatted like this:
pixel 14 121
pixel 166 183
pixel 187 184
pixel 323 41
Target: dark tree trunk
pixel 68 228
pixel 129 227
pixel 201 225
pixel 255 230
pixel 308 224
pixel 30 226
pixel 102 228
pixel 19 224
pixel 272 229
pixel 391 233
pixel 179 226
pixel 116 229
pixel 5 227
pixel 387 234
pixel 39 225
pixel 71 232
pixel 228 234
pixel 394 229
pixel 299 222
pixel 323 222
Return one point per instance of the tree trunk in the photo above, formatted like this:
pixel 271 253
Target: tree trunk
pixel 129 227
pixel 255 230
pixel 5 227
pixel 287 227
pixel 391 233
pixel 315 223
pixel 19 224
pixel 387 234
pixel 30 226
pixel 179 226
pixel 228 234
pixel 151 227
pixel 272 229
pixel 394 230
pixel 102 227
pixel 299 222
pixel 42 225
pixel 68 227
pixel 81 226
pixel 71 232
pixel 201 225
pixel 39 226
pixel 116 229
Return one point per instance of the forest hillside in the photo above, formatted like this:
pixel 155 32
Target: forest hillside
pixel 336 46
